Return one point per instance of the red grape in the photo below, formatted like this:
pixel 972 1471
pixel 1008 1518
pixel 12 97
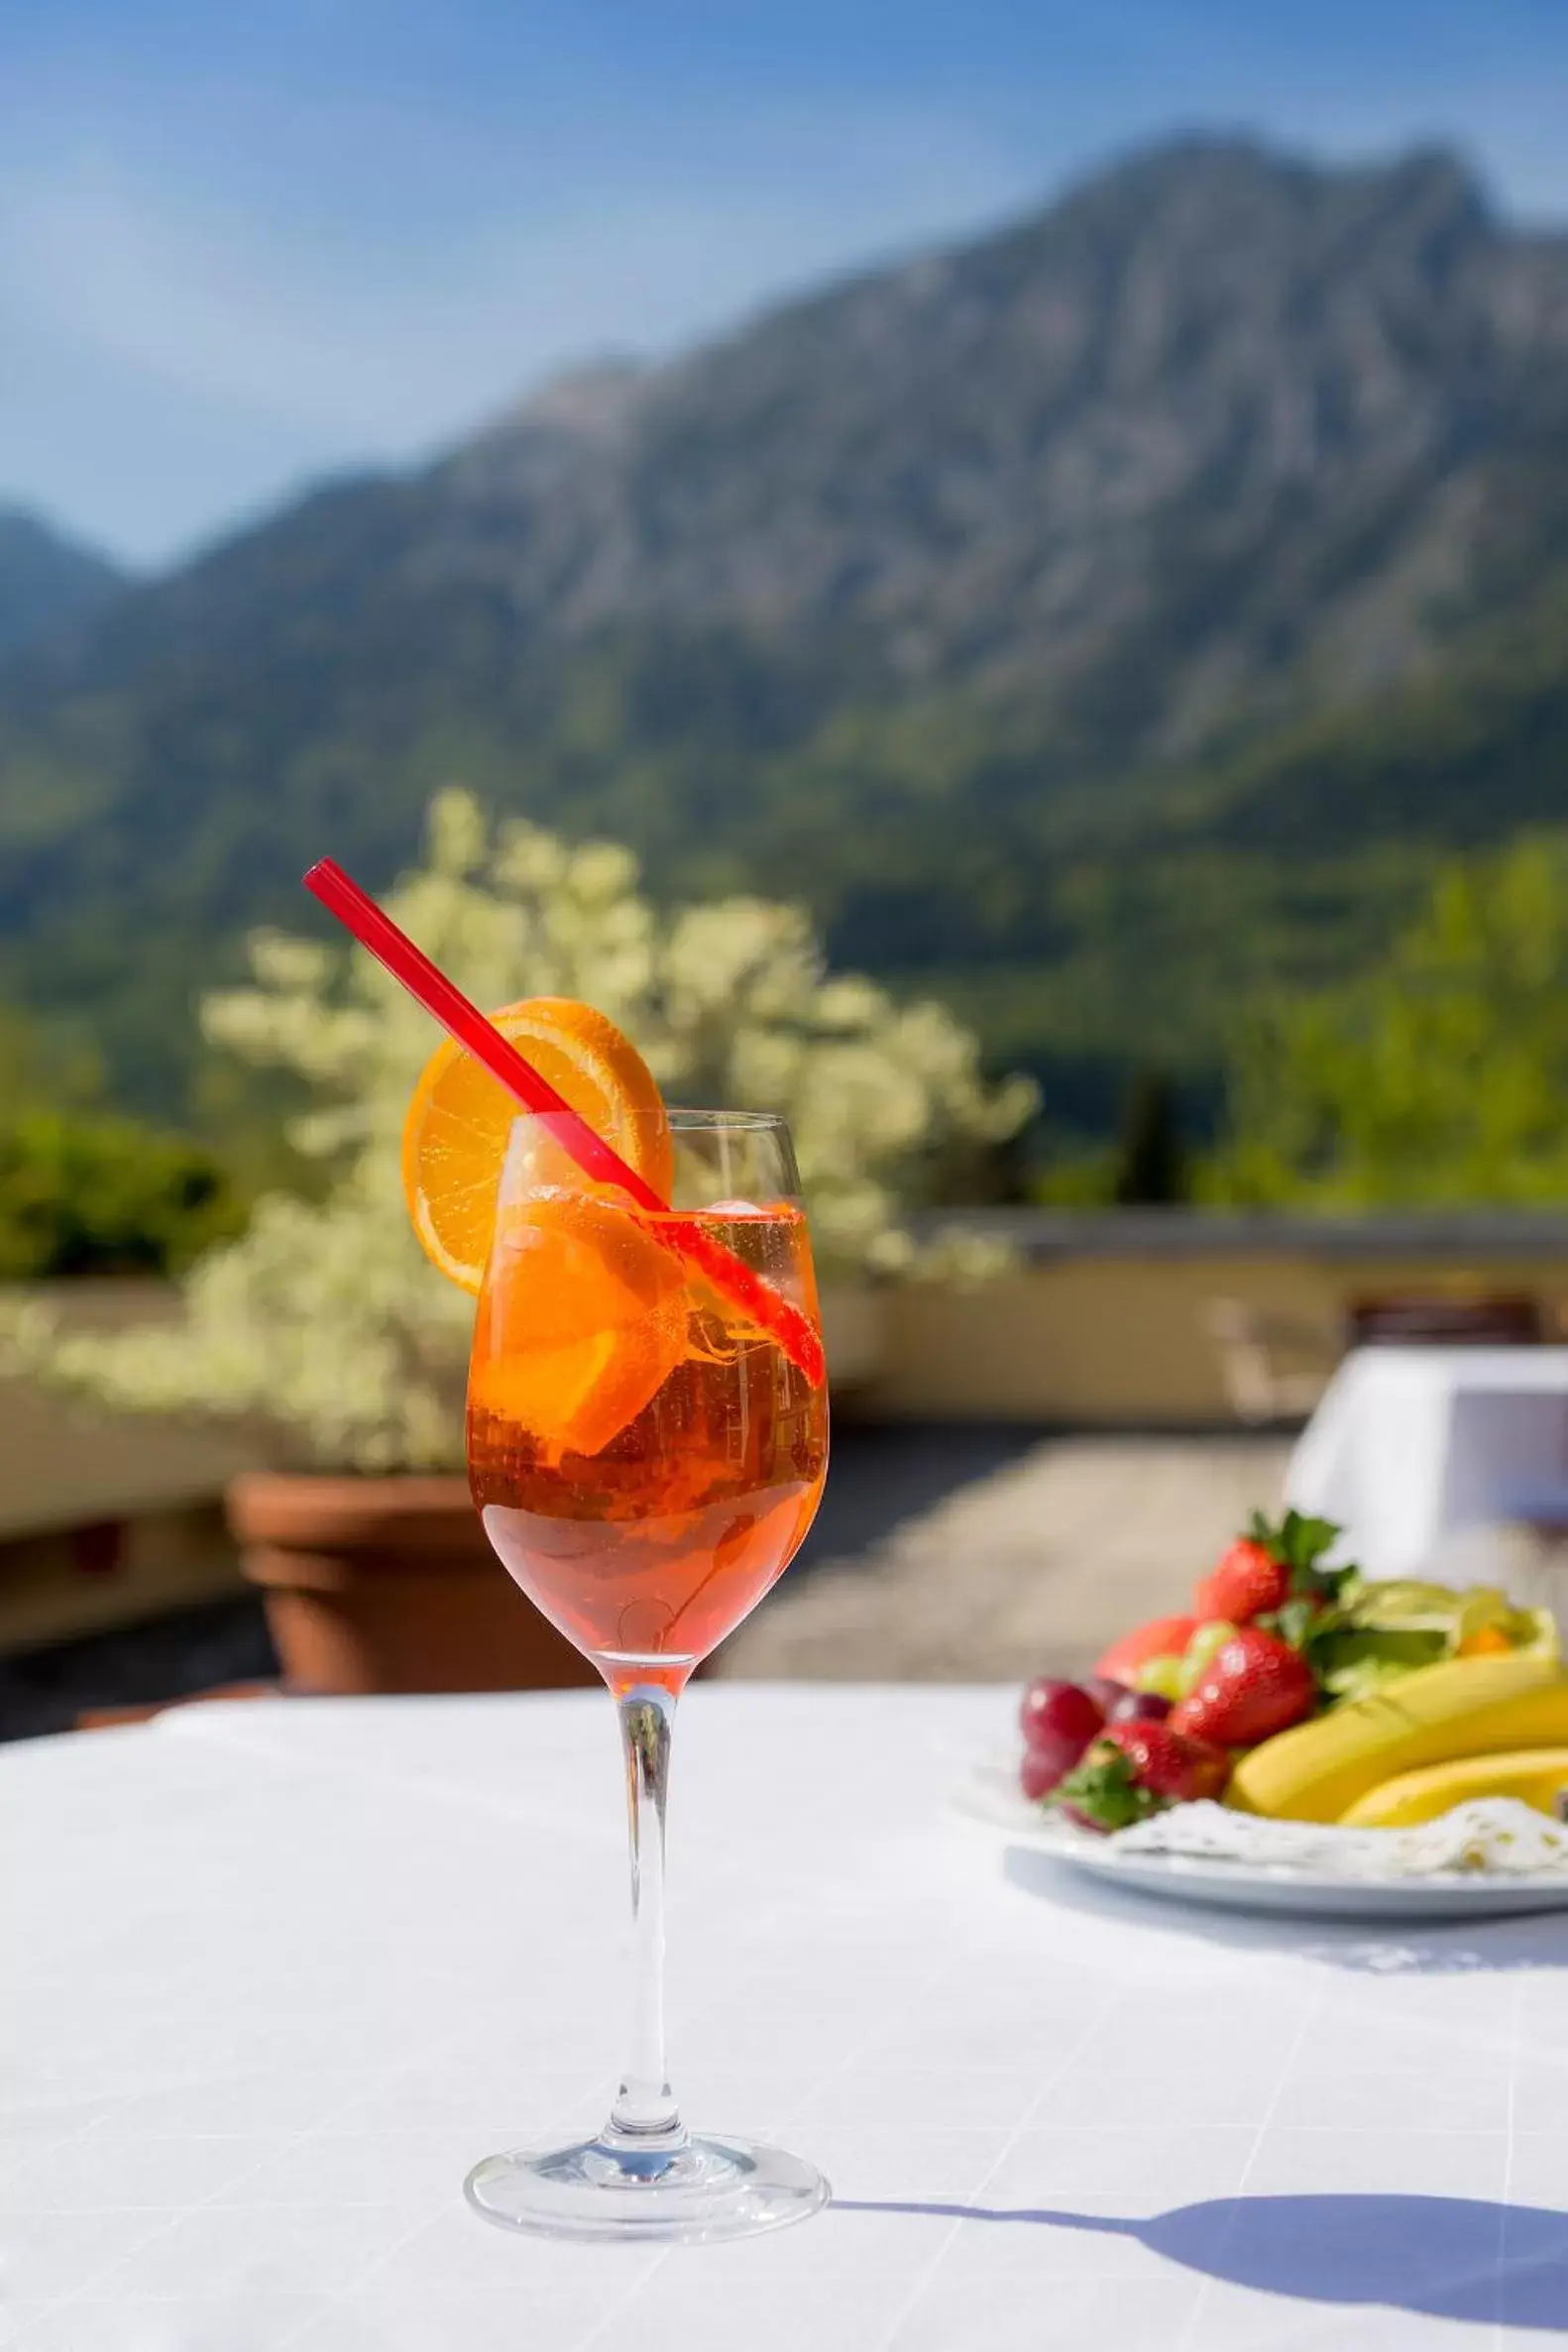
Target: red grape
pixel 1146 1707
pixel 1104 1692
pixel 1044 1767
pixel 1053 1712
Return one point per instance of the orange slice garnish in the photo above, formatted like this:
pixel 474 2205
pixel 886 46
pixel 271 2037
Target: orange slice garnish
pixel 582 1321
pixel 458 1120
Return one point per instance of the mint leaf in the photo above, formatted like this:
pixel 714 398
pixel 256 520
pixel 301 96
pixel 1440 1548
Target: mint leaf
pixel 1103 1786
pixel 1300 1544
pixel 1295 1623
pixel 1308 1539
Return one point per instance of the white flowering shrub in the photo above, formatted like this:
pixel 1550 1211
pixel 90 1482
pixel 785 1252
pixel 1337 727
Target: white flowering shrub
pixel 326 1319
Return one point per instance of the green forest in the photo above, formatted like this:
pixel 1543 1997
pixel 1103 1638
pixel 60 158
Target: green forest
pixel 1087 925
pixel 1300 974
pixel 1303 971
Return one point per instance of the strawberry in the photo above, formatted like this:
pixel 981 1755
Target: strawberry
pixel 1271 1569
pixel 1248 1581
pixel 1136 1769
pixel 1163 1637
pixel 1252 1687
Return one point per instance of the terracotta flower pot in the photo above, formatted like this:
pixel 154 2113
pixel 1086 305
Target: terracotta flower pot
pixel 389 1584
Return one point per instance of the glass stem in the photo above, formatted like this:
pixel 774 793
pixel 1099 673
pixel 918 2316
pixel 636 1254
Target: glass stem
pixel 644 2114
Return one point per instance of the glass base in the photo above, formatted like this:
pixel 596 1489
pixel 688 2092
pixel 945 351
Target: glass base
pixel 703 2190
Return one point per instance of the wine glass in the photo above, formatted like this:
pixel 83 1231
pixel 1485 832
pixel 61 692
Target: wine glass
pixel 646 1455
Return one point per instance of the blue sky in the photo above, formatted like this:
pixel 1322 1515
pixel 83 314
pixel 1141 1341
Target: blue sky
pixel 240 247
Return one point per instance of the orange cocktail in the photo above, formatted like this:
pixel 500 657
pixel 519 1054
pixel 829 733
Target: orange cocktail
pixel 646 1462
pixel 647 1439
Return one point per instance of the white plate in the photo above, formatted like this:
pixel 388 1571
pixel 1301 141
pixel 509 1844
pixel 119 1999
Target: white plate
pixel 989 1798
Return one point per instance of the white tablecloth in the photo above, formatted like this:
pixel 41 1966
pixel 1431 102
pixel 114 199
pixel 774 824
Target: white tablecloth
pixel 1412 1444
pixel 277 1974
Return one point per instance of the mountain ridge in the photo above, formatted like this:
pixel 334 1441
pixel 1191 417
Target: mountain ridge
pixel 898 598
pixel 48 579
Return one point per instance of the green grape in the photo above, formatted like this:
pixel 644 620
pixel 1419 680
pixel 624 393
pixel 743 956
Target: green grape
pixel 1206 1643
pixel 1162 1676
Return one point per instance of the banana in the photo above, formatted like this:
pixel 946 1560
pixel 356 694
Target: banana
pixel 1461 1707
pixel 1536 1775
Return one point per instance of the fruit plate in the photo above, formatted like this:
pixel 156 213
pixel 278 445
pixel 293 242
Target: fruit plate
pixel 989 1799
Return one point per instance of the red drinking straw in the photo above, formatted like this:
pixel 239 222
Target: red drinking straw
pixel 784 1322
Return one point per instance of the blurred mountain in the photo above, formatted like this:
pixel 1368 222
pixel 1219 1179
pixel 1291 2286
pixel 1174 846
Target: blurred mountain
pixel 46 580
pixel 1094 620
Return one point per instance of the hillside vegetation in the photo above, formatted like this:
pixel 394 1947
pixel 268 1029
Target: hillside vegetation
pixel 1099 625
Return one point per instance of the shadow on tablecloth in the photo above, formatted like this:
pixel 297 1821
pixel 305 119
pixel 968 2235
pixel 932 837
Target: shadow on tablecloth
pixel 1445 2258
pixel 1371 1948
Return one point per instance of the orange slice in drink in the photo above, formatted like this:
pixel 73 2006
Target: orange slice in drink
pixel 583 1323
pixel 459 1119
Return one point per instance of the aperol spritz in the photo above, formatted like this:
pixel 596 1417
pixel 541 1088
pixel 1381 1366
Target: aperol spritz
pixel 646 1452
pixel 645 1464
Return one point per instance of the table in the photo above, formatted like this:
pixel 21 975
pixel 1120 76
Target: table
pixel 279 1971
pixel 1412 1444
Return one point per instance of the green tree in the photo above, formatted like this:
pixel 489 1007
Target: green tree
pixel 1440 1078
pixel 81 1193
pixel 93 1196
